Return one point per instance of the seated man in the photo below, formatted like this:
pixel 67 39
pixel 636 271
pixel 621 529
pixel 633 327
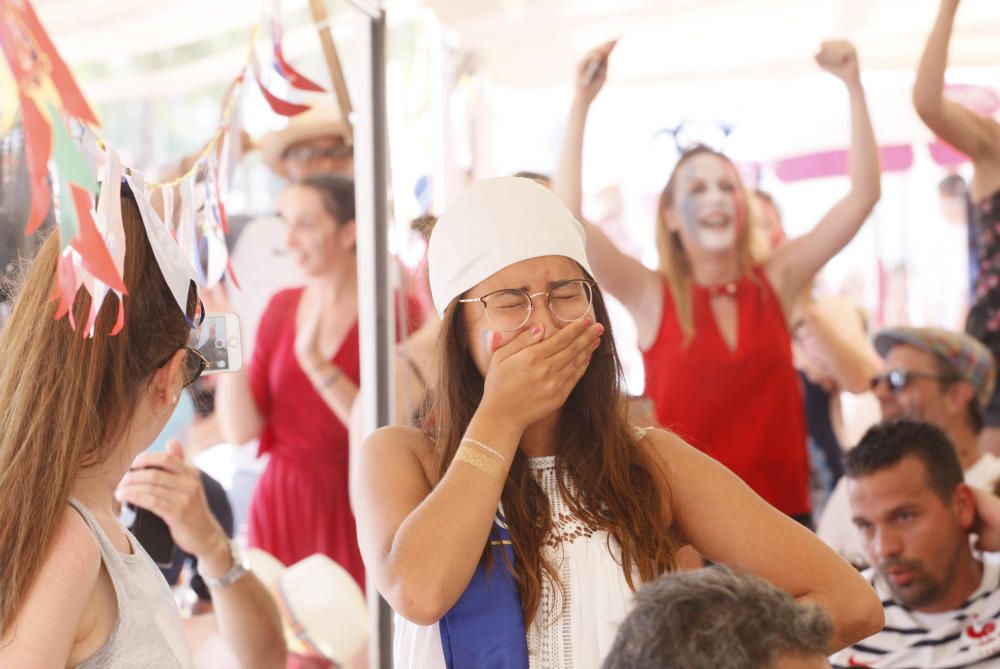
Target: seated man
pixel 716 619
pixel 942 377
pixel 915 515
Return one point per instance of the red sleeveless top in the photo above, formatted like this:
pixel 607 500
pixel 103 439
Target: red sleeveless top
pixel 744 407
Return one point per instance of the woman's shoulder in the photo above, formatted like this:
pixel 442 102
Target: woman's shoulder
pixel 403 446
pixel 279 312
pixel 64 583
pixel 665 448
pixel 74 547
pixel 657 438
pixel 286 298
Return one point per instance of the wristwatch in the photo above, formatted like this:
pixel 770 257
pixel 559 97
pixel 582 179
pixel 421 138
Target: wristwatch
pixel 240 568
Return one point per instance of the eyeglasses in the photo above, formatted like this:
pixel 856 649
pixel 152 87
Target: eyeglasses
pixel 309 154
pixel 509 309
pixel 899 378
pixel 195 365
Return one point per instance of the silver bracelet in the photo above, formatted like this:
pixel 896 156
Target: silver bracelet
pixel 330 380
pixel 240 568
pixel 492 451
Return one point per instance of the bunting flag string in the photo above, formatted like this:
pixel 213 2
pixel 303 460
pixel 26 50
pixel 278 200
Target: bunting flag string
pixel 64 155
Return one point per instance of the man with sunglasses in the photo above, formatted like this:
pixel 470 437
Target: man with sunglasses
pixel 938 376
pixel 314 141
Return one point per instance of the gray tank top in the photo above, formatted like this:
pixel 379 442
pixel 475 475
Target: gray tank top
pixel 148 632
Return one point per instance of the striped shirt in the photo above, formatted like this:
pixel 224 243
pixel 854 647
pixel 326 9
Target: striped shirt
pixel 968 636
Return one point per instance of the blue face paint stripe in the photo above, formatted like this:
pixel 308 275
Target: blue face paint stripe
pixel 689 215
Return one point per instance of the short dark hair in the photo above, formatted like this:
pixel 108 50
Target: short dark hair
pixel 336 192
pixel 953 185
pixel 716 619
pixel 534 176
pixel 886 445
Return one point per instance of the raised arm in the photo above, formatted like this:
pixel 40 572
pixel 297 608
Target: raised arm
pixel 838 331
pixel 239 418
pixel 976 136
pixel 632 283
pixel 422 540
pixel 721 517
pixel 794 263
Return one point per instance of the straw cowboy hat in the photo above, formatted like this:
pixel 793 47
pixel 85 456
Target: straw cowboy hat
pixel 322 608
pixel 323 119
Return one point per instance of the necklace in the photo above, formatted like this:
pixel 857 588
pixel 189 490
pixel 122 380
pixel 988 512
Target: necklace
pixel 727 289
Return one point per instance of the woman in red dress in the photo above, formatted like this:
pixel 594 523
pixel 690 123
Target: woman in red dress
pixel 297 392
pixel 712 324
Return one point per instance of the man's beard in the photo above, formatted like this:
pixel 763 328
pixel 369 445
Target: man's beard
pixel 924 589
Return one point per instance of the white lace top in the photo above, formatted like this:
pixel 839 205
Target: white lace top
pixel 574 629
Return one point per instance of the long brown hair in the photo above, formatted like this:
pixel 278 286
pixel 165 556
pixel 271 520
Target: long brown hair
pixel 674 261
pixel 616 488
pixel 66 401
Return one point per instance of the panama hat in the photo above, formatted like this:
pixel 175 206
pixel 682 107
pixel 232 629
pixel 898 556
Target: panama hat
pixel 323 119
pixel 322 608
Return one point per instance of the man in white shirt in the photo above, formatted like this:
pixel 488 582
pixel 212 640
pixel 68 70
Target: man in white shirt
pixel 915 515
pixel 942 377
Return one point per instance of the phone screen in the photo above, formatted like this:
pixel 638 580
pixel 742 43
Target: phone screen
pixel 211 340
pixel 152 533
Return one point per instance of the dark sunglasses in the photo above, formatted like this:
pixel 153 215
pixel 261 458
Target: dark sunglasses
pixel 195 365
pixel 309 154
pixel 897 379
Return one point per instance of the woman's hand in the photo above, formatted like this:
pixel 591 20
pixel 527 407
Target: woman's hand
pixel 592 72
pixel 841 60
pixel 307 342
pixel 528 379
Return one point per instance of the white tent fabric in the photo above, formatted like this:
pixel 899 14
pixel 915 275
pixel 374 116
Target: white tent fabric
pixel 536 42
pixel 111 33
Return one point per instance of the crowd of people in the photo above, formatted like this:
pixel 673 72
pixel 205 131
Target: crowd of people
pixel 518 512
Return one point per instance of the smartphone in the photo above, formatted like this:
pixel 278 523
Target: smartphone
pixel 218 339
pixel 594 67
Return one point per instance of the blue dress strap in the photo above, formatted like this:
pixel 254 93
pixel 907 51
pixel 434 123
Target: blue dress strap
pixel 485 627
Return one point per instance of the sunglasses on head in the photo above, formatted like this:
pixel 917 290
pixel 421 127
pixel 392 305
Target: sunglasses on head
pixel 897 379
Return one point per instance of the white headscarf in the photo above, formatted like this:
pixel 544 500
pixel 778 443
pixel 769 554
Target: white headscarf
pixel 496 223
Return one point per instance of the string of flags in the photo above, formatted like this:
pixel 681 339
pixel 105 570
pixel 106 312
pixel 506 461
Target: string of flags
pixel 65 155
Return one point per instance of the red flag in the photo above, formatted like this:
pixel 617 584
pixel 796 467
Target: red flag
pixel 293 76
pixel 32 55
pixel 90 245
pixel 37 148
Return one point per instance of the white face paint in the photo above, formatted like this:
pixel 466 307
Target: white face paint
pixel 707 205
pixel 717 239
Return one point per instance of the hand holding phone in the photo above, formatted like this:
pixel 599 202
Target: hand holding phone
pixel 593 70
pixel 218 340
pixel 594 67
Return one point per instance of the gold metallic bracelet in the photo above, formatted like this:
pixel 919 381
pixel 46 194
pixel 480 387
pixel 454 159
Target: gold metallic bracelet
pixel 492 451
pixel 483 461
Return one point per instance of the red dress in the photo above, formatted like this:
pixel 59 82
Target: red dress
pixel 301 504
pixel 744 407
